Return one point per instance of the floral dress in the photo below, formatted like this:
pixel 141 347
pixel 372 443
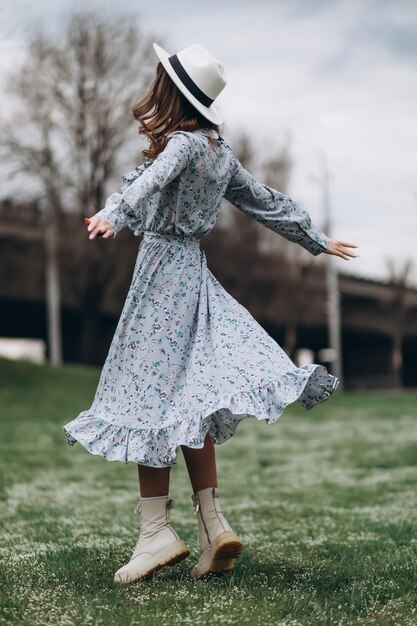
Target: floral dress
pixel 186 358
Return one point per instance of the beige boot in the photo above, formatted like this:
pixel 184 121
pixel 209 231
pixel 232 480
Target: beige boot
pixel 219 544
pixel 159 545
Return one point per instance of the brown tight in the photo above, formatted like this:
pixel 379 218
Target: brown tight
pixel 201 467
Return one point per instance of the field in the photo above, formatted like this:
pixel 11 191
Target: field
pixel 325 502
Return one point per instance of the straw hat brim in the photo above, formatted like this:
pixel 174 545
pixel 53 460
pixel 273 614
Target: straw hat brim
pixel 211 113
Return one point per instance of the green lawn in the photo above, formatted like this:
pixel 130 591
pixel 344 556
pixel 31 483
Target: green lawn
pixel 325 502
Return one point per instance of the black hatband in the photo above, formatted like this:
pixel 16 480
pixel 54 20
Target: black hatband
pixel 188 81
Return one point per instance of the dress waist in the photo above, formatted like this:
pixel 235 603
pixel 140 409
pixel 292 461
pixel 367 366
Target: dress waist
pixel 187 240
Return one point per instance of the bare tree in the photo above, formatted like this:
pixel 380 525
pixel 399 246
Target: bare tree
pixel 263 250
pixel 276 168
pixel 256 255
pixel 73 100
pixel 273 170
pixel 276 171
pixel 247 231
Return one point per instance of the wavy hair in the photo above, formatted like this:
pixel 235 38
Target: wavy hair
pixel 164 109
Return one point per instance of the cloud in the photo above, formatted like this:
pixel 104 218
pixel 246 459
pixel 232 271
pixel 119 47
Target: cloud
pixel 338 77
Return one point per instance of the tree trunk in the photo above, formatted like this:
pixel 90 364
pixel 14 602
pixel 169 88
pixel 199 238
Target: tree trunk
pixel 396 358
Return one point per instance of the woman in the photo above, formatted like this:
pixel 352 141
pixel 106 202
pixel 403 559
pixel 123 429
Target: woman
pixel 187 361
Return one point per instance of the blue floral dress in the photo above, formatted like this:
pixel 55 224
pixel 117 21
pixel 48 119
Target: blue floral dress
pixel 186 358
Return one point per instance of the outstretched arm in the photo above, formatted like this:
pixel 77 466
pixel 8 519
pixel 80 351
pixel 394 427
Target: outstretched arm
pixel 167 166
pixel 124 208
pixel 113 214
pixel 111 219
pixel 278 212
pixel 274 210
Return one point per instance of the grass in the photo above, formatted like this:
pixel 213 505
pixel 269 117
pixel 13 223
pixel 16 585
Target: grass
pixel 324 501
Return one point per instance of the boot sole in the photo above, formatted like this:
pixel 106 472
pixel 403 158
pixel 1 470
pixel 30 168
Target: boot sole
pixel 171 555
pixel 226 549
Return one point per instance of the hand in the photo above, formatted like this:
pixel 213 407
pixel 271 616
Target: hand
pixel 99 226
pixel 340 248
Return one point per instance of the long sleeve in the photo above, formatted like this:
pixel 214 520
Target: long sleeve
pixel 113 214
pixel 274 210
pixel 124 208
pixel 167 166
pixel 112 210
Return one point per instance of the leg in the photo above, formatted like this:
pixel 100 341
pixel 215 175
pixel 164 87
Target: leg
pixel 159 544
pixel 201 465
pixel 153 481
pixel 219 545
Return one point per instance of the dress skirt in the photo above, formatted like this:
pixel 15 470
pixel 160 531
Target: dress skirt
pixel 186 359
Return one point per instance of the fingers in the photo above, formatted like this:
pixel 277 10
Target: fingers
pixel 346 255
pixel 95 230
pixel 98 227
pixel 349 253
pixel 340 249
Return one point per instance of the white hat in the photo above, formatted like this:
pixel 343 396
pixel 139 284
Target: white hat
pixel 198 75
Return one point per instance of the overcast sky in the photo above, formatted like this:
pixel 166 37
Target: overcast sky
pixel 331 77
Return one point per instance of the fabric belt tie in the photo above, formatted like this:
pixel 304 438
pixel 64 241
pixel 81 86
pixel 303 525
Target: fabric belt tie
pixel 151 235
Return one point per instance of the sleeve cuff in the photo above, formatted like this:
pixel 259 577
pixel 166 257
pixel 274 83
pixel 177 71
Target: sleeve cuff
pixel 114 217
pixel 314 242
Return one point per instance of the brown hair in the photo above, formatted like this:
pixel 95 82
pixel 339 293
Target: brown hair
pixel 164 109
